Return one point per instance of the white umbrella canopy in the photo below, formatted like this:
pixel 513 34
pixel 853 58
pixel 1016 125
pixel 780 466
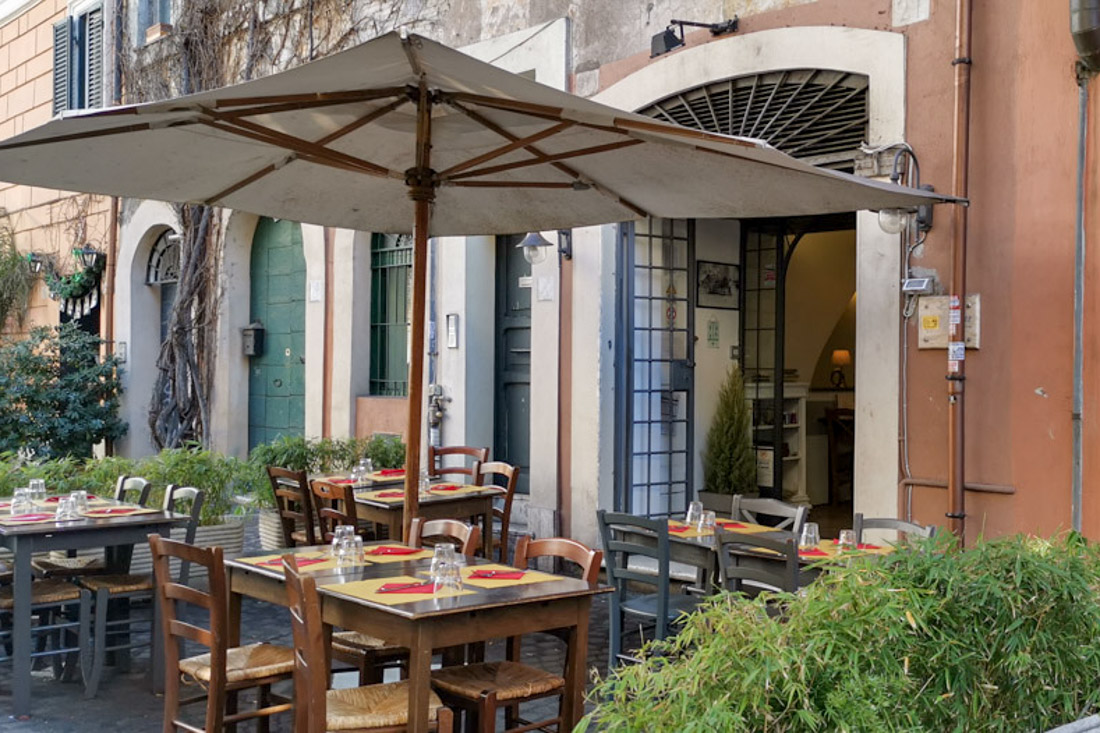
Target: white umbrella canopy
pixel 405 134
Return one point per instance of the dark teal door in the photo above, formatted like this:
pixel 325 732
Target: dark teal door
pixel 512 425
pixel 276 378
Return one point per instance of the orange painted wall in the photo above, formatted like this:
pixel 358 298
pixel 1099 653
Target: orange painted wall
pixel 1021 252
pixel 381 415
pixel 46 221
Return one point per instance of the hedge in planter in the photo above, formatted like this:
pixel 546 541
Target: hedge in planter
pixel 1000 637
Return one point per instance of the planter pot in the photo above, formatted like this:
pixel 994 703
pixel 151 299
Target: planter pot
pixel 228 535
pixel 720 504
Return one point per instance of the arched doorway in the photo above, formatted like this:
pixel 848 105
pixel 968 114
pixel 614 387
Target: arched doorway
pixel 276 376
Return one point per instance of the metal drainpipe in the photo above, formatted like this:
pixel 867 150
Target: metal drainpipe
pixel 1083 78
pixel 956 368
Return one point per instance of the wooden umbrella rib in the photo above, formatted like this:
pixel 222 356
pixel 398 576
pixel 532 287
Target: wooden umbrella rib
pixel 269 109
pixel 511 184
pixel 216 198
pixel 504 150
pixel 319 98
pixel 531 109
pixel 580 152
pixel 142 127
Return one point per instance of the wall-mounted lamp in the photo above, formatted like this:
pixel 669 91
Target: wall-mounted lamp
pixel 87 255
pixel 534 246
pixel 841 358
pixel 894 221
pixel 37 262
pixel 667 39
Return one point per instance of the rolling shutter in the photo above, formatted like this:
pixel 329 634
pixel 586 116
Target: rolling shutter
pixel 61 66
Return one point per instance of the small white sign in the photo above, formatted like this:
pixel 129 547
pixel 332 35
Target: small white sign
pixel 452 330
pixel 316 291
pixel 525 281
pixel 956 351
pixel 546 289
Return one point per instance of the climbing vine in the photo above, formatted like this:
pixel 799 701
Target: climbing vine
pixel 16 276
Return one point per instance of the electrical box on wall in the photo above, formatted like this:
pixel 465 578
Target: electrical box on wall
pixel 933 317
pixel 252 339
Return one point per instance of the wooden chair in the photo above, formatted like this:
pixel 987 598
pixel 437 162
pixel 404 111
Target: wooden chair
pixel 747 509
pixel 466 536
pixel 130 489
pixel 223 670
pixel 380 707
pixel 113 596
pixel 910 529
pixel 335 505
pixel 294 502
pixel 624 536
pixel 488 475
pixel 479 689
pixel 436 460
pixel 778 572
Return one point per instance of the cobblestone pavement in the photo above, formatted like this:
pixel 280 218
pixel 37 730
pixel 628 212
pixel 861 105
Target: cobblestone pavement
pixel 125 703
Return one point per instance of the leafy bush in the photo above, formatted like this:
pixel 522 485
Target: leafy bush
pixel 729 464
pixel 999 637
pixel 328 454
pixel 16 277
pixel 58 397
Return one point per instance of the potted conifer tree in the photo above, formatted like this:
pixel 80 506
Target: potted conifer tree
pixel 729 464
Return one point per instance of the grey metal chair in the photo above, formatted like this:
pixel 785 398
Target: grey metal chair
pixel 749 509
pixel 911 529
pixel 112 597
pixel 623 536
pixel 133 489
pixel 748 570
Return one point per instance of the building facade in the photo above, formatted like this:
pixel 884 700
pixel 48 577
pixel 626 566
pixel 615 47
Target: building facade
pixel 596 369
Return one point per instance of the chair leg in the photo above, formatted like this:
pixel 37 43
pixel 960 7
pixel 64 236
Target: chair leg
pixel 99 642
pixel 487 713
pixel 263 700
pixel 445 721
pixel 616 634
pixel 85 640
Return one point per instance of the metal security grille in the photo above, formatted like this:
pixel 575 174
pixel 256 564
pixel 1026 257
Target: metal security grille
pixel 391 273
pixel 657 320
pixel 814 114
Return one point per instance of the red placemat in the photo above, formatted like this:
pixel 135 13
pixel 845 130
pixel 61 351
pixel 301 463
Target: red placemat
pixel 392 550
pixel 446 487
pixel 302 562
pixel 428 587
pixel 677 530
pixel 29 518
pixel 391 472
pixel 497 574
pixel 812 553
pixel 731 525
pixel 389 494
pixel 344 481
pixel 862 546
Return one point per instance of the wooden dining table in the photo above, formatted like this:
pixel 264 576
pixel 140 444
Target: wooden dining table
pixel 427 624
pixel 116 534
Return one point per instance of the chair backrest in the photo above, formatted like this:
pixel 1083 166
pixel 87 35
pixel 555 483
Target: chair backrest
pixel 625 535
pixel 310 665
pixel 133 489
pixel 911 529
pixel 776 572
pixel 490 474
pixel 437 460
pixel 750 508
pixel 215 602
pixel 294 502
pixel 466 536
pixel 185 500
pixel 335 505
pixel 589 560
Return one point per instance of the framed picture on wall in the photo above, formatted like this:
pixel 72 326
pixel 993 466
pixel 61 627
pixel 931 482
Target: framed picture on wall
pixel 717 285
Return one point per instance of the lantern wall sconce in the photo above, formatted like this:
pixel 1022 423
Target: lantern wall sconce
pixel 89 256
pixel 534 246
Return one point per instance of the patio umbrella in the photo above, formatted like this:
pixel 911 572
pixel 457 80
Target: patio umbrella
pixel 404 134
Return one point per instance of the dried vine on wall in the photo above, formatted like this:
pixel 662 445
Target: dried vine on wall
pixel 214 43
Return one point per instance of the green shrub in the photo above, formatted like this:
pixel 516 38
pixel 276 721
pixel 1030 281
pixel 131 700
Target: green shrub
pixel 329 454
pixel 58 397
pixel 998 637
pixel 729 463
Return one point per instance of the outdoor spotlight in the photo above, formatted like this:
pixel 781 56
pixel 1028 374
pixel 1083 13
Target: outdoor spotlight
pixel 892 221
pixel 667 39
pixel 88 256
pixel 534 247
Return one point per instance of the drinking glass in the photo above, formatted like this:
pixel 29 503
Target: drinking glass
pixel 80 500
pixel 694 513
pixel 810 537
pixel 448 579
pixel 66 509
pixel 847 540
pixel 425 483
pixel 21 502
pixel 443 555
pixel 349 551
pixel 356 474
pixel 37 489
pixel 707 521
pixel 339 538
pixel 368 466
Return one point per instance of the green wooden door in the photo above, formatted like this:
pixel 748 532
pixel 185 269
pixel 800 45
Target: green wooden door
pixel 512 424
pixel 276 378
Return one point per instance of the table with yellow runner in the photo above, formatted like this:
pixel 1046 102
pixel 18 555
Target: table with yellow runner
pixel 368 590
pixel 724 525
pixel 308 562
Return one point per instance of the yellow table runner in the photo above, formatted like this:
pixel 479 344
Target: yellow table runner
pixel 389 496
pixel 368 590
pixel 308 562
pixel 31 518
pixel 529 576
pixel 461 489
pixel 730 526
pixel 383 558
pixel 378 477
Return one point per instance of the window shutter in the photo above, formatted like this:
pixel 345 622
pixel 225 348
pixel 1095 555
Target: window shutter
pixel 94 51
pixel 61 66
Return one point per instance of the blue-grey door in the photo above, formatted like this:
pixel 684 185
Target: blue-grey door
pixel 276 378
pixel 512 424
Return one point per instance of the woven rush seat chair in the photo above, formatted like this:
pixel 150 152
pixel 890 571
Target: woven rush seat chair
pixel 437 463
pixel 132 489
pixel 479 689
pixel 334 505
pixel 111 596
pixel 467 537
pixel 294 502
pixel 488 474
pixel 369 655
pixel 223 671
pixel 379 707
pixel 61 612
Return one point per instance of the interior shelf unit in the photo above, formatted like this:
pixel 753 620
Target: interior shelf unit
pixel 791 448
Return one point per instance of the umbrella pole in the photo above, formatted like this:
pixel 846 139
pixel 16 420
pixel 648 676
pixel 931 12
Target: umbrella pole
pixel 420 181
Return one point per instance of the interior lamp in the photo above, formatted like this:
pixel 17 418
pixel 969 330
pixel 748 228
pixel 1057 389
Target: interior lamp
pixel 841 358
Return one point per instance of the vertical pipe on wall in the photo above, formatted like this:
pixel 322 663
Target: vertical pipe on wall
pixel 956 367
pixel 1079 296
